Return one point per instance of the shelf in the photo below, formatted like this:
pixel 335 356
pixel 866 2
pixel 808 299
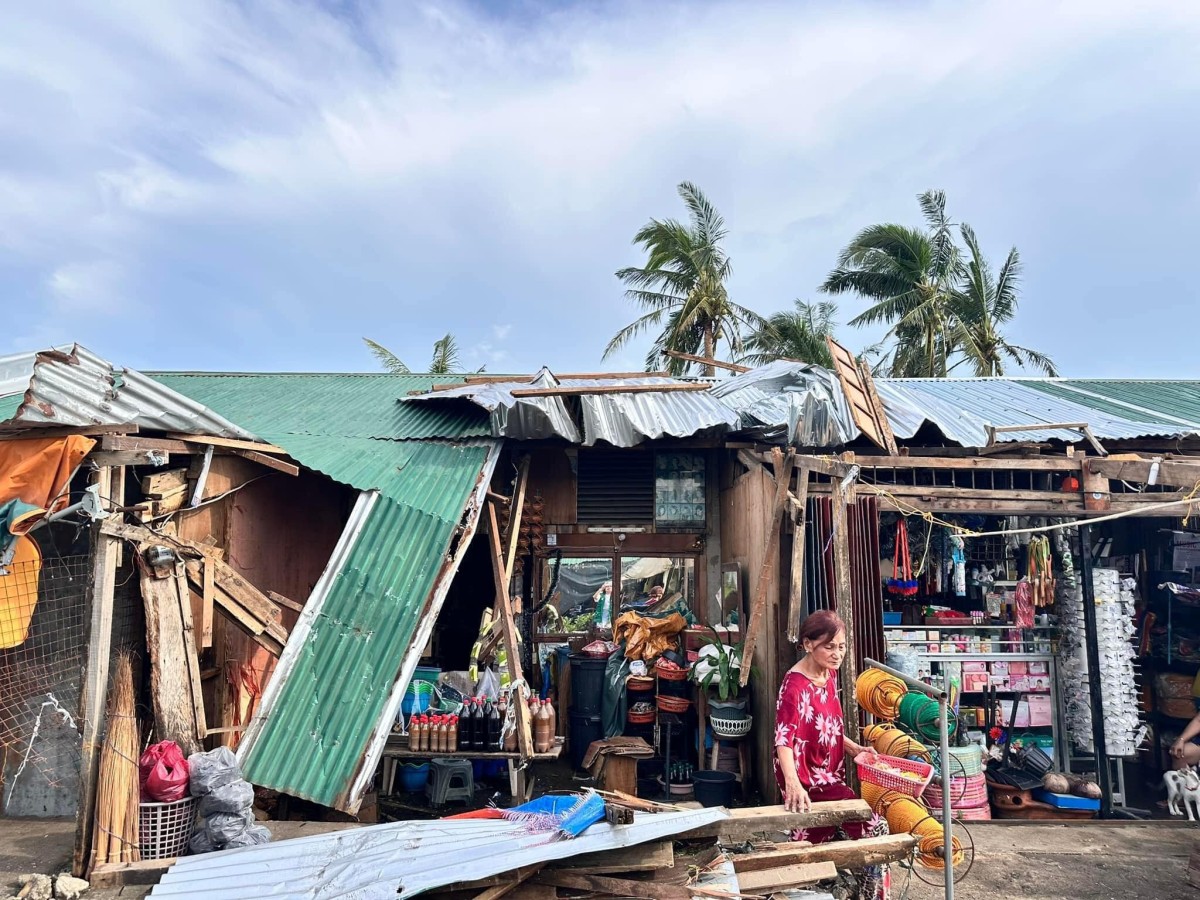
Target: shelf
pixel 398 751
pixel 972 627
pixel 1009 691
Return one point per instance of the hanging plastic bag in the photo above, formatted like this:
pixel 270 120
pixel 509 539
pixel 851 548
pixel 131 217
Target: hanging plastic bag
pixel 163 773
pixel 488 686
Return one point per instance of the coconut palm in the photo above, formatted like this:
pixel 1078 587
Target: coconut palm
pixel 910 274
pixel 445 357
pixel 797 335
pixel 982 305
pixel 682 288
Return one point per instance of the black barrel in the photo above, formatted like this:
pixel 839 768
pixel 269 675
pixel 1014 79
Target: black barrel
pixel 587 684
pixel 584 729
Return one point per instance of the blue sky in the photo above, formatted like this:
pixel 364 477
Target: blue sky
pixel 257 185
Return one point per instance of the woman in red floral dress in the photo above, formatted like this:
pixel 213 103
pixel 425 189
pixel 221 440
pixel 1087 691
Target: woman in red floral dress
pixel 810 740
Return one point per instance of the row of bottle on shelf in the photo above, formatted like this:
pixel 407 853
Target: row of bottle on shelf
pixel 479 728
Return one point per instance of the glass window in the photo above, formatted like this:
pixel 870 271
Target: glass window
pixel 657 583
pixel 725 606
pixel 679 490
pixel 583 596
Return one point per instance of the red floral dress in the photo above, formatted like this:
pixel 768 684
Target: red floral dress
pixel 809 720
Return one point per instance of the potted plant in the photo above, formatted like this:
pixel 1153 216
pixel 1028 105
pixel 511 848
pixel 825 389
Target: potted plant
pixel 718 670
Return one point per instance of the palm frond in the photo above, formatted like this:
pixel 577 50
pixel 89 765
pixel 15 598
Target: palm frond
pixel 386 357
pixel 1004 307
pixel 632 330
pixel 445 356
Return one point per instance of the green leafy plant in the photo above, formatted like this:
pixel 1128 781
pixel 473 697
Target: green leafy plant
pixel 723 672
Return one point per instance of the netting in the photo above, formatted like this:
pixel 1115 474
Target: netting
pixel 45 640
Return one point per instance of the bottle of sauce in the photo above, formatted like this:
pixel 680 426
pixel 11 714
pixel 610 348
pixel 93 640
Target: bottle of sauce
pixel 439 732
pixel 553 722
pixel 509 740
pixel 541 730
pixel 452 735
pixel 494 723
pixel 478 727
pixel 464 728
pixel 414 734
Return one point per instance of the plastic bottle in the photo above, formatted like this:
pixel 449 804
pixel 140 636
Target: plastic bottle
pixel 550 711
pixel 414 734
pixel 541 730
pixel 493 729
pixel 426 736
pixel 439 734
pixel 464 728
pixel 478 727
pixel 452 735
pixel 444 734
pixel 510 738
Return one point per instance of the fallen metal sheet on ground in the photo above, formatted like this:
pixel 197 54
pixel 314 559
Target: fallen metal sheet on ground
pixel 401 859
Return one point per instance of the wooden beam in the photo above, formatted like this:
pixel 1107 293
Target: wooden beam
pixel 129 457
pixel 514 517
pixel 20 433
pixel 227 443
pixel 208 595
pixel 619 887
pixel 868 851
pixel 285 601
pixel 270 462
pixel 707 361
pixel 133 442
pixel 799 503
pixel 770 880
pixel 1032 464
pixel 744 824
pixel 758 611
pixel 844 604
pixel 174 667
pixel 1174 473
pixel 95 667
pixel 834 468
pixel 479 884
pixel 524 731
pixel 638 858
pixel 159 484
pixel 670 387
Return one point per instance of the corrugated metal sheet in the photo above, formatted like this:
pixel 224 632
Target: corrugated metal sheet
pixel 75 387
pixel 962 408
pixel 787 400
pixel 401 859
pixel 339 681
pixel 623 420
pixel 1173 403
pixel 351 404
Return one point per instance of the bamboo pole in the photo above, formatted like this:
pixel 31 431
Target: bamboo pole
pixel 115 835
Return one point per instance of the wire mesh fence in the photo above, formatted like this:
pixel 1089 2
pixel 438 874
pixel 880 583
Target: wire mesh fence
pixel 43 641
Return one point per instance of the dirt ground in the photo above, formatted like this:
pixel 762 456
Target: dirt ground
pixel 1130 861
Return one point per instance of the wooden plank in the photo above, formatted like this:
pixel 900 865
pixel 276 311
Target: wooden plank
pixel 133 442
pixel 270 462
pixel 1173 473
pixel 514 517
pixel 195 683
pixel 281 600
pixel 129 457
pixel 879 413
pixel 118 875
pixel 638 858
pixel 1032 464
pixel 171 644
pixel 159 484
pixel 524 730
pixel 619 887
pixel 844 605
pixel 758 611
pixel 796 594
pixel 865 408
pixel 706 361
pixel 744 824
pixel 868 851
pixel 208 595
pixel 228 443
pixel 479 884
pixel 110 483
pixel 786 877
pixel 671 387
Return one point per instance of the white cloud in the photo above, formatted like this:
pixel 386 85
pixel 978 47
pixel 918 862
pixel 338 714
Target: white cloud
pixel 422 168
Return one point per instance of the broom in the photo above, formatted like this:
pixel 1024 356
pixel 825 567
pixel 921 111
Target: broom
pixel 115 835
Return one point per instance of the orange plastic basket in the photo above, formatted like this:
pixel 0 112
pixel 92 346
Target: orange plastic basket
pixel 871 769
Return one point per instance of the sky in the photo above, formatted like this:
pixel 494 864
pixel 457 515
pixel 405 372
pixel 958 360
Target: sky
pixel 257 185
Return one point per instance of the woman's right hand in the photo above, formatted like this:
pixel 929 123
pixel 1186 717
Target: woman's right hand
pixel 795 797
pixel 1177 749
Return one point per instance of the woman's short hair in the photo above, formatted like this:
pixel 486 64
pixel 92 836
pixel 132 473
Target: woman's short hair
pixel 821 627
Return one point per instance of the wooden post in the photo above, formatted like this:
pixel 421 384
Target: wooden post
pixel 845 606
pixel 105 549
pixel 514 518
pixel 796 600
pixel 758 611
pixel 524 730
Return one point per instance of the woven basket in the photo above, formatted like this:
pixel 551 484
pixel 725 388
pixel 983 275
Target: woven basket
pixel 912 787
pixel 977 814
pixel 642 718
pixel 639 683
pixel 965 793
pixel 671 674
pixel 730 729
pixel 672 704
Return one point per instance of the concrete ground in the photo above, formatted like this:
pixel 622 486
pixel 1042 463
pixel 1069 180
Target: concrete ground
pixel 1035 861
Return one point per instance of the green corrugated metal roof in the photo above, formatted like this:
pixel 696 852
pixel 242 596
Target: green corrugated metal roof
pixel 10 404
pixel 349 405
pixel 313 736
pixel 1169 402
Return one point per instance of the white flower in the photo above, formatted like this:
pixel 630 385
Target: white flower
pixel 783 734
pixel 821 776
pixel 827 728
pixel 806 707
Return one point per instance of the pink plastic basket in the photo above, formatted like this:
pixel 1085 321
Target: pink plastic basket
pixel 965 793
pixel 871 770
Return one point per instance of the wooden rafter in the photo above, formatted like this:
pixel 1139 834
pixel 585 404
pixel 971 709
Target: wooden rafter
pixel 707 361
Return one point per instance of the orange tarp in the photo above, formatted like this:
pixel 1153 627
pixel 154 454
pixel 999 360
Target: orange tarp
pixel 37 470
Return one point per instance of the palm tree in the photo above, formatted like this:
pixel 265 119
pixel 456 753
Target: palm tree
pixel 798 335
pixel 982 304
pixel 910 274
pixel 682 288
pixel 445 357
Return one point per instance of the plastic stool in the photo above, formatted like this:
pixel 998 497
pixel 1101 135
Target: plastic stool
pixel 450 779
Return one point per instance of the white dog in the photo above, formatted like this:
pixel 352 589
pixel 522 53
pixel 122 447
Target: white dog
pixel 1183 785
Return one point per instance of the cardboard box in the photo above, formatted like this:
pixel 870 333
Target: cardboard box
pixel 974 665
pixel 1000 682
pixel 1017 667
pixel 1040 711
pixel 1039 683
pixel 999 667
pixel 1022 718
pixel 1039 668
pixel 975 681
pixel 1020 683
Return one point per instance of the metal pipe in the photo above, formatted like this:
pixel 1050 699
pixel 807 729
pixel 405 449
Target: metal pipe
pixel 915 684
pixel 1092 645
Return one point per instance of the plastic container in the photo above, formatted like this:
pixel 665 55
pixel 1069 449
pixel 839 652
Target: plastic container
pixel 870 771
pixel 713 788
pixel 417 697
pixel 427 673
pixel 892 618
pixel 414 777
pixel 1065 801
pixel 164 828
pixel 584 729
pixel 587 685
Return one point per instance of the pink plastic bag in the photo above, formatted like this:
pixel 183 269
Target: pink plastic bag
pixel 163 773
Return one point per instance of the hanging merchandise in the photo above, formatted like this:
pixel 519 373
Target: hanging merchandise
pixel 902 582
pixel 1041 573
pixel 958 565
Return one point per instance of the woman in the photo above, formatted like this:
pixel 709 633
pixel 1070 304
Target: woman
pixel 810 740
